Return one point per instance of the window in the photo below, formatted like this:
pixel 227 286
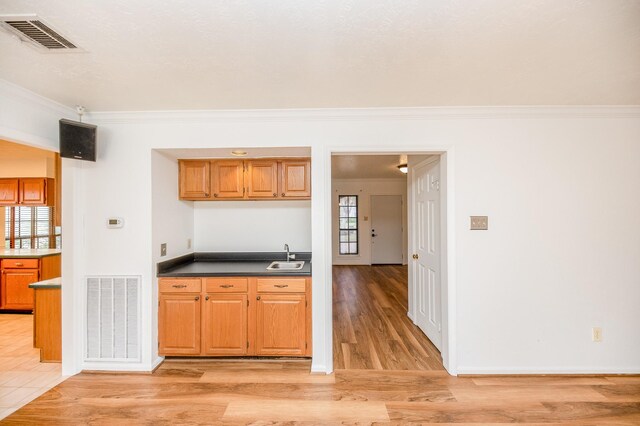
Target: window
pixel 30 227
pixel 348 218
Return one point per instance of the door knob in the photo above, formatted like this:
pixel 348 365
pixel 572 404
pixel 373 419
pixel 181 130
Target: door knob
pixel 415 256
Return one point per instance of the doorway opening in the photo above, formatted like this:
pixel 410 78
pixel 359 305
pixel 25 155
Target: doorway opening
pixel 30 231
pixel 389 261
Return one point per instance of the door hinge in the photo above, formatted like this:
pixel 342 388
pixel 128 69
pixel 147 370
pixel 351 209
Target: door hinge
pixel 305 345
pixel 247 344
pixel 306 303
pixel 247 302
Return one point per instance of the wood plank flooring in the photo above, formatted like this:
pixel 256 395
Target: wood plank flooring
pixel 22 376
pixel 193 392
pixel 371 329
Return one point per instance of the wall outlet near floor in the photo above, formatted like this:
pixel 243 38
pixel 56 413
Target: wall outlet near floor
pixel 188 243
pixel 163 249
pixel 596 334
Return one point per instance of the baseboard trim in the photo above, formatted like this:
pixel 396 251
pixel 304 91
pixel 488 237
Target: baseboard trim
pixel 480 371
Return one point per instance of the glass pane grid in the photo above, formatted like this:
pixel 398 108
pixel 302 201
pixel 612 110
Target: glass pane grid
pixel 348 224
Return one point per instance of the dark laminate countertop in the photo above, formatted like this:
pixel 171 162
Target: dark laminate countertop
pixel 27 253
pixel 230 265
pixel 52 283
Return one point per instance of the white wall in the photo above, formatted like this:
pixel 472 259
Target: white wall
pixel 364 189
pixel 252 225
pixel 560 187
pixel 172 223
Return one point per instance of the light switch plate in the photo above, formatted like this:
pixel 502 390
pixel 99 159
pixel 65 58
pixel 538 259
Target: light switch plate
pixel 479 223
pixel 163 249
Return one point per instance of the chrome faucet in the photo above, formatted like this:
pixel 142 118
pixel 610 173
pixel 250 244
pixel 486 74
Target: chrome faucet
pixel 289 256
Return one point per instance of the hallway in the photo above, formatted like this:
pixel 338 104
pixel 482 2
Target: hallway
pixel 371 329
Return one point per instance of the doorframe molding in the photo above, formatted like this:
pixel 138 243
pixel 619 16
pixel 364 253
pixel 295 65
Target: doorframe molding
pixel 446 154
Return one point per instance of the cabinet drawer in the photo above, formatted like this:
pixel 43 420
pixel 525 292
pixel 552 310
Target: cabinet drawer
pixel 281 285
pixel 180 285
pixel 21 263
pixel 226 285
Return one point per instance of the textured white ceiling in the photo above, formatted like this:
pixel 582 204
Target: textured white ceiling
pixel 203 54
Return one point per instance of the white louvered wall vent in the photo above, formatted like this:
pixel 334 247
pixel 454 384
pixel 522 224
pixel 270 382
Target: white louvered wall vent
pixel 31 29
pixel 113 319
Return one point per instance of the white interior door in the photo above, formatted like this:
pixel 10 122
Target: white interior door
pixel 426 250
pixel 386 229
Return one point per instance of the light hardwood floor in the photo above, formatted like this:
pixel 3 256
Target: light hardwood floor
pixel 22 376
pixel 383 379
pixel 277 392
pixel 371 329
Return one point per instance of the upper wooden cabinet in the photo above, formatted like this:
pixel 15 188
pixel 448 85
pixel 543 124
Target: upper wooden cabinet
pixel 228 179
pixel 295 179
pixel 195 179
pixel 251 179
pixel 27 192
pixel 9 191
pixel 262 178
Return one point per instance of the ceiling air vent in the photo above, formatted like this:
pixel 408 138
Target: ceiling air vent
pixel 33 30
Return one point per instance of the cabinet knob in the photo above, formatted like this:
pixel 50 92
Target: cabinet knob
pixel 275 195
pixel 226 286
pixel 19 264
pixel 215 195
pixel 258 298
pixel 283 194
pixel 197 298
pixel 281 285
pixel 206 297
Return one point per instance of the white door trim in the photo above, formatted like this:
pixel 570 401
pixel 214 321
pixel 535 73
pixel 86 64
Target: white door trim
pixel 446 153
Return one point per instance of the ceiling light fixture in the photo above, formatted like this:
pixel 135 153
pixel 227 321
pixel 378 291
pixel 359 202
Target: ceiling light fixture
pixel 239 153
pixel 403 168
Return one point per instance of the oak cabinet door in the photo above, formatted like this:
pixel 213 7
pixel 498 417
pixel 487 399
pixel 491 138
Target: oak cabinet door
pixel 228 179
pixel 15 290
pixel 295 179
pixel 281 324
pixel 195 180
pixel 179 324
pixel 262 178
pixel 33 191
pixel 225 324
pixel 8 191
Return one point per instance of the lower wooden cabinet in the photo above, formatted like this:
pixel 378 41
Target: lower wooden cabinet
pixel 17 274
pixel 281 324
pixel 225 324
pixel 239 316
pixel 179 324
pixel 16 293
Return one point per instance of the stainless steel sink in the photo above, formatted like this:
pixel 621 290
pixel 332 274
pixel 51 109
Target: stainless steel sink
pixel 285 266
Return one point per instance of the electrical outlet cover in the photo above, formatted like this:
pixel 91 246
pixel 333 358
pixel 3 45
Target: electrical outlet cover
pixel 479 223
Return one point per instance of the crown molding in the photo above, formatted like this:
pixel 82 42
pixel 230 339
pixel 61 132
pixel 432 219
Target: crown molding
pixel 15 91
pixel 368 114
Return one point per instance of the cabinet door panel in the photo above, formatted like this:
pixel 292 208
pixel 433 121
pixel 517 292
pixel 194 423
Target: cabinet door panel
pixel 296 179
pixel 33 191
pixel 262 179
pixel 16 293
pixel 8 191
pixel 281 324
pixel 179 324
pixel 228 179
pixel 195 179
pixel 225 324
